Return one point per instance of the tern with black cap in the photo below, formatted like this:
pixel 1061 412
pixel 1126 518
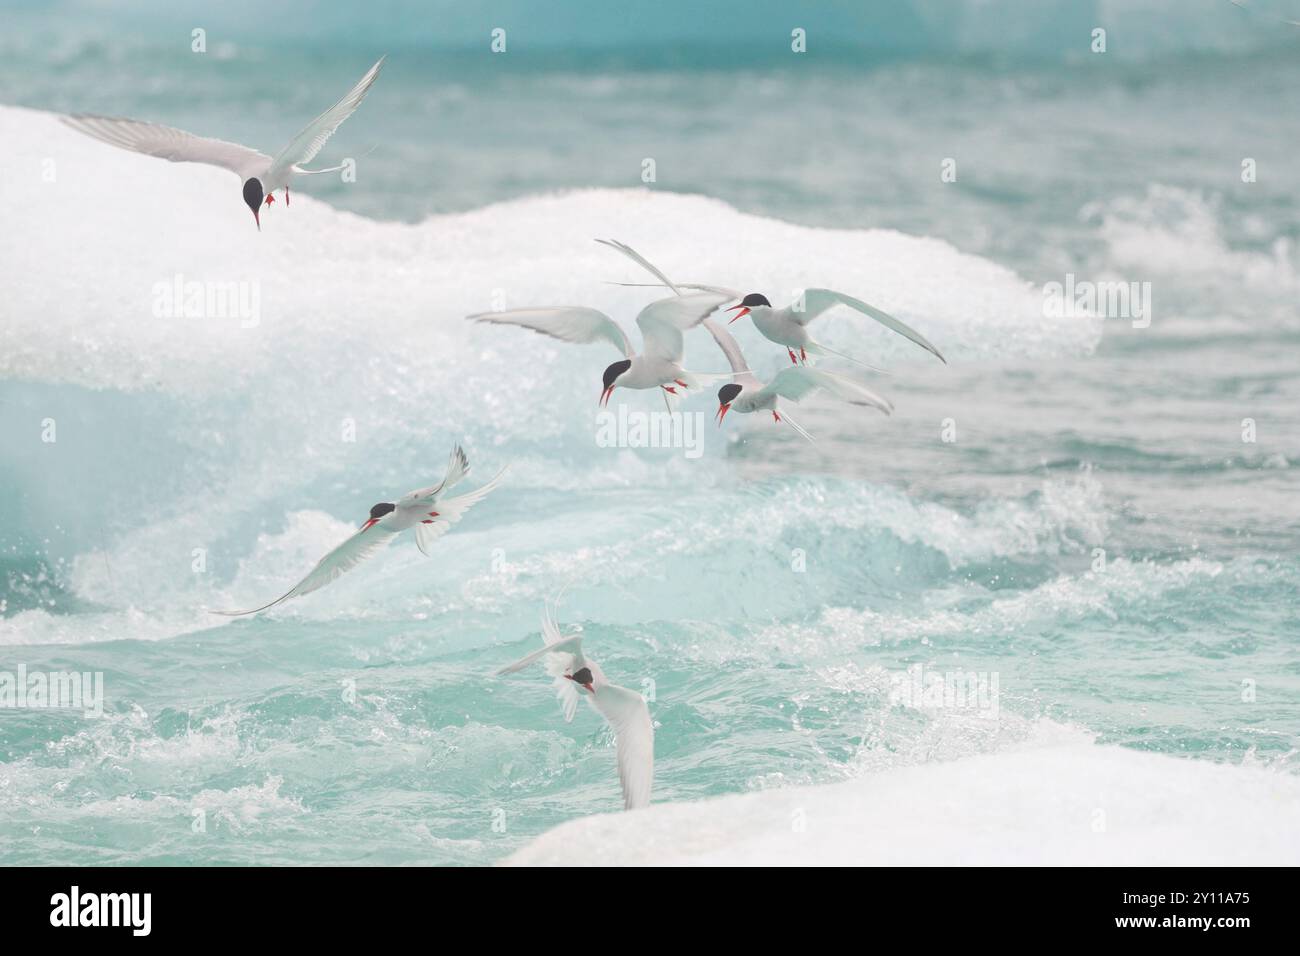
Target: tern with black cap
pixel 260 174
pixel 576 675
pixel 662 323
pixel 427 510
pixel 748 394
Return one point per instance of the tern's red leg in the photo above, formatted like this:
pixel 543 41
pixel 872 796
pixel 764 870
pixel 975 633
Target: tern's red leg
pixel 793 360
pixel 669 389
pixel 286 195
pixel 775 416
pixel 803 355
pixel 427 521
pixel 270 198
pixel 681 383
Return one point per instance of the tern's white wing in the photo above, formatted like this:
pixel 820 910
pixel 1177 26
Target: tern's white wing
pixel 342 559
pixel 457 468
pixel 797 381
pixel 817 301
pixel 449 511
pixel 731 349
pixel 304 147
pixel 566 323
pixel 634 738
pixel 557 665
pixel 663 322
pixel 570 647
pixel 561 655
pixel 166 142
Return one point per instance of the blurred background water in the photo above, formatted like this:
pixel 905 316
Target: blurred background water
pixel 979 554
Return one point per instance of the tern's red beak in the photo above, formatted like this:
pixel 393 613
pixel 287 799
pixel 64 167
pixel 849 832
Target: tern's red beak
pixel 744 311
pixel 369 522
pixel 722 412
pixel 604 396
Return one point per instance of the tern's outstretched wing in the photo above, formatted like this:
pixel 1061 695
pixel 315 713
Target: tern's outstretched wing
pixel 449 511
pixel 342 559
pixel 557 665
pixel 304 147
pixel 457 468
pixel 795 382
pixel 817 301
pixel 736 358
pixel 566 323
pixel 166 142
pixel 663 322
pixel 561 655
pixel 570 646
pixel 634 738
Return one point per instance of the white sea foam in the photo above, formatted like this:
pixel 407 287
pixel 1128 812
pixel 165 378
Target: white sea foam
pixel 1055 799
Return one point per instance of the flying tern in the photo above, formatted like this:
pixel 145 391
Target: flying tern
pixel 260 174
pixel 662 324
pixel 427 510
pixel 746 393
pixel 788 326
pixel 625 710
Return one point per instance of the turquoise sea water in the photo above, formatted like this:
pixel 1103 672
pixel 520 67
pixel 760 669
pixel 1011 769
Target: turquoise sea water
pixel 1098 535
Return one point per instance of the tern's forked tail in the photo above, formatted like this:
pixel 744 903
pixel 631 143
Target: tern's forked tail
pixel 816 348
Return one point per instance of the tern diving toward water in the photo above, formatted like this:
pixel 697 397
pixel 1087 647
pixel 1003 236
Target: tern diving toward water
pixel 427 510
pixel 748 394
pixel 261 175
pixel 624 710
pixel 788 326
pixel 662 324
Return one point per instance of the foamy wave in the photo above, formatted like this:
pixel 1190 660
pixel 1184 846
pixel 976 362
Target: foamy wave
pixel 1175 231
pixel 1054 798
